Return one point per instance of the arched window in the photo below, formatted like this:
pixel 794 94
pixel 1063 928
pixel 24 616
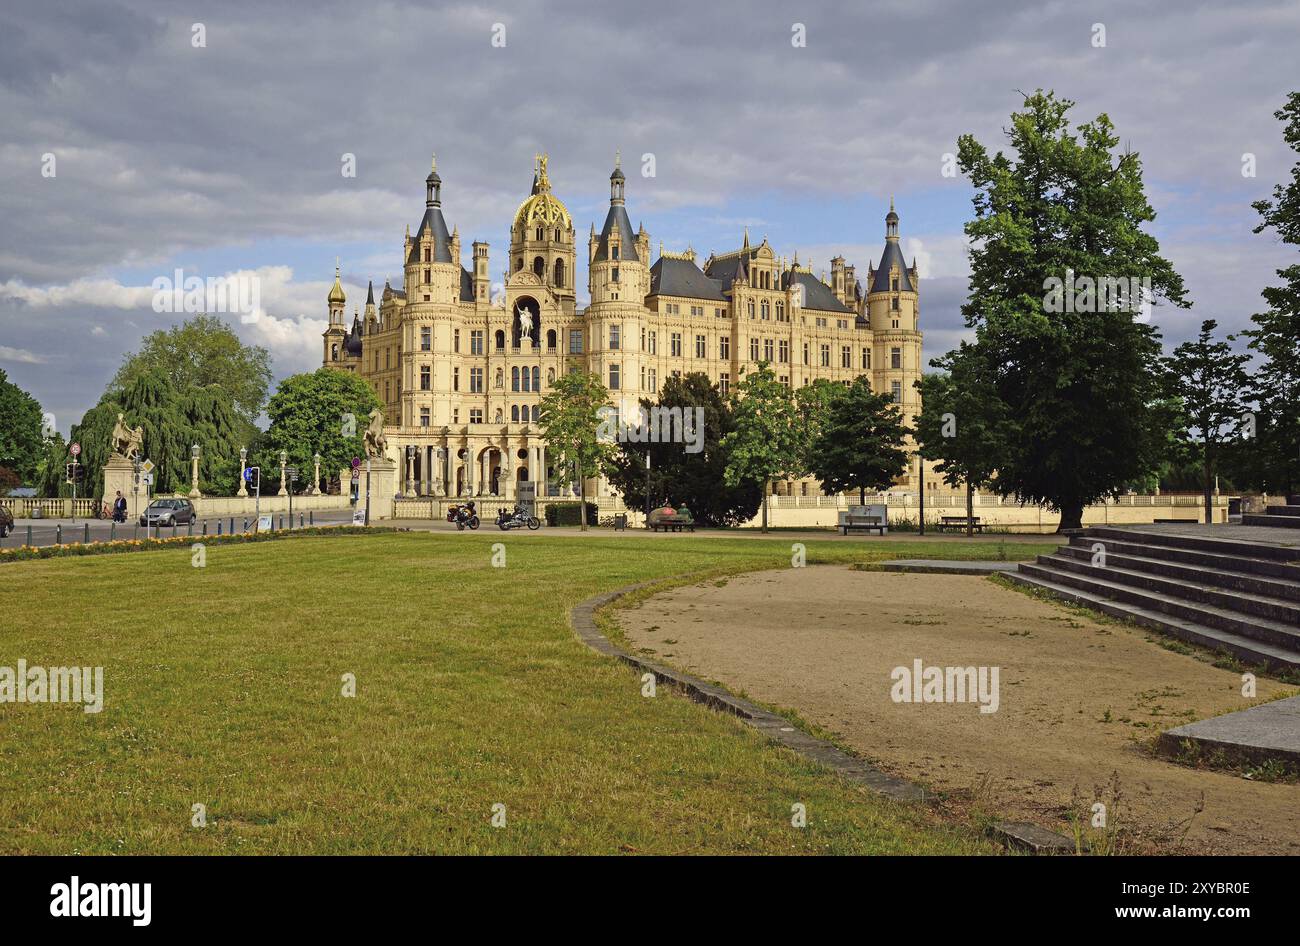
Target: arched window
pixel 501 340
pixel 514 413
pixel 514 378
pixel 426 254
pixel 539 268
pixel 519 264
pixel 334 353
pixel 559 273
pixel 535 414
pixel 527 380
pixel 539 233
pixel 537 378
pixel 550 339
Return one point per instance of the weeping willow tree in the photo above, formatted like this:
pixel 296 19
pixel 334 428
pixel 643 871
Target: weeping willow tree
pixel 172 422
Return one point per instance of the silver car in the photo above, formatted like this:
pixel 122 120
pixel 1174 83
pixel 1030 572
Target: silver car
pixel 168 512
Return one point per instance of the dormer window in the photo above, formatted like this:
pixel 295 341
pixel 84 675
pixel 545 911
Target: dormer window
pixel 613 251
pixel 895 287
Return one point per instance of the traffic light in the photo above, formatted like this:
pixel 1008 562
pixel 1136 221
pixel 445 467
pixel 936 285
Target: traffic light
pixel 253 477
pixel 74 473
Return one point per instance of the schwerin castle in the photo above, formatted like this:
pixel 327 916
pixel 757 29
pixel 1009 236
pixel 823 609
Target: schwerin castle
pixel 461 375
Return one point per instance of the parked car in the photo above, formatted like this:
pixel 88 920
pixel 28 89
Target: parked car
pixel 168 512
pixel 6 521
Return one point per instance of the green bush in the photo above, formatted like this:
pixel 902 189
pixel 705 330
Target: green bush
pixel 566 514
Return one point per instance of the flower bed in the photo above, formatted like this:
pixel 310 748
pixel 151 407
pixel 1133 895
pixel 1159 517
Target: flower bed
pixel 26 552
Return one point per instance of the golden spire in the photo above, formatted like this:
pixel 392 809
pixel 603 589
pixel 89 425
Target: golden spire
pixel 336 291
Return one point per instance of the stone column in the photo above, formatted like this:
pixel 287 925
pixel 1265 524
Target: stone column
pixel 410 471
pixel 507 471
pixel 243 489
pixel 469 469
pixel 532 471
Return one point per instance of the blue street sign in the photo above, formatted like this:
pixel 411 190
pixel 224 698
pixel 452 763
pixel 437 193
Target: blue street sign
pixel 248 475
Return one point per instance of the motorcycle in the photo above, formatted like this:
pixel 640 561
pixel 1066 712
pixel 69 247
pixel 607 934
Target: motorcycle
pixel 464 516
pixel 516 520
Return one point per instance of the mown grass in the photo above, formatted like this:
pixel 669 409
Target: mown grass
pixel 222 688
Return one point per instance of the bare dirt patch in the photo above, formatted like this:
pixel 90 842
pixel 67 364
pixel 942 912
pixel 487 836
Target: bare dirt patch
pixel 1080 701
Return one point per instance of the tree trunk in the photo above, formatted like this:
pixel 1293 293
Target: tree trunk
pixel 582 501
pixel 970 510
pixel 862 495
pixel 1209 481
pixel 1071 516
pixel 767 488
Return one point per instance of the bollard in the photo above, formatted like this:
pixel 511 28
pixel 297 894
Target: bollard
pixel 29 536
pixel 205 527
pixel 58 534
pixel 189 529
pixel 173 528
pixel 112 531
pixel 87 533
pixel 232 525
pixel 245 525
pixel 300 520
pixel 135 531
pixel 311 517
pixel 219 527
pixel 282 523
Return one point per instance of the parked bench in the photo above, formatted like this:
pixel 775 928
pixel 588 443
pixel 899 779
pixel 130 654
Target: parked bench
pixel 671 520
pixel 960 523
pixel 866 518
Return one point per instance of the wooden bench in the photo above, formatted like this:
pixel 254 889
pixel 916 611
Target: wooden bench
pixel 866 518
pixel 671 521
pixel 960 523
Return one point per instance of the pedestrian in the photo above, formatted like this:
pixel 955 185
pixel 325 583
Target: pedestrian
pixel 119 508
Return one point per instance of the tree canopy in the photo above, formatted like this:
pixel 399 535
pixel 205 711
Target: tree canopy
pixel 765 443
pixel 21 441
pixel 571 416
pixel 861 442
pixel 308 413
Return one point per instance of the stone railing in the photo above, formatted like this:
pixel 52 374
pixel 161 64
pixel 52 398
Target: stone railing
pixel 39 508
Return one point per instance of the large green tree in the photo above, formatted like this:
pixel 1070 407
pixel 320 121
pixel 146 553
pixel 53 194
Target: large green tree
pixel 1275 385
pixel 861 444
pixel 962 424
pixel 1207 380
pixel 323 412
pixel 20 430
pixel 1064 211
pixel 696 479
pixel 571 416
pixel 812 404
pixel 765 444
pixel 200 352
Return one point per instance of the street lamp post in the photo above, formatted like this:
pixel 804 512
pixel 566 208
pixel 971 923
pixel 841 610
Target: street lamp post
pixel 194 472
pixel 410 469
pixel 367 487
pixel 243 465
pixel 920 466
pixel 284 461
pixel 315 483
pixel 647 486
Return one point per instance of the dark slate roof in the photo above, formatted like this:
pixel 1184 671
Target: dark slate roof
pixel 893 255
pixel 434 223
pixel 352 341
pixel 617 217
pixel 681 277
pixel 816 294
pixel 725 269
pixel 370 293
pixel 466 285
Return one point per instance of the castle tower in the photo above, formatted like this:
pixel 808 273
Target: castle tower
pixel 892 308
pixel 334 334
pixel 542 237
pixel 432 255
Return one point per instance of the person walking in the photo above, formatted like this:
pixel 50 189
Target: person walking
pixel 119 508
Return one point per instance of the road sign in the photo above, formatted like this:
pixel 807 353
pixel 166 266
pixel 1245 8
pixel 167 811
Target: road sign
pixel 248 474
pixel 359 516
pixel 291 470
pixel 147 467
pixel 75 449
pixel 146 479
pixel 356 463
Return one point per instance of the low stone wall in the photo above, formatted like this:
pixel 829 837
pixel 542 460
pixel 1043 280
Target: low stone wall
pixel 210 506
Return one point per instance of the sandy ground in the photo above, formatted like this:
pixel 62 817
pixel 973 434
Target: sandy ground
pixel 1080 701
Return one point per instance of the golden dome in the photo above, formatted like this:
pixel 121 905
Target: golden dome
pixel 542 208
pixel 336 292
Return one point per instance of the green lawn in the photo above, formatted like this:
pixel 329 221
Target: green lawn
pixel 222 687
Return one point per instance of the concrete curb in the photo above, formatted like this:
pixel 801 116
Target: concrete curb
pixel 1025 837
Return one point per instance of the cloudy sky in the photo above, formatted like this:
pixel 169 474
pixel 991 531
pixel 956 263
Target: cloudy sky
pixel 227 156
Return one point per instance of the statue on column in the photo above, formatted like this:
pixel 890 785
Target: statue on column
pixel 375 442
pixel 127 441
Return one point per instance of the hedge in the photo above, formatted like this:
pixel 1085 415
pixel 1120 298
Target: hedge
pixel 26 552
pixel 566 514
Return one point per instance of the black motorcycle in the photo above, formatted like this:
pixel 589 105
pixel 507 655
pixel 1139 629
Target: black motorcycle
pixel 465 516
pixel 516 520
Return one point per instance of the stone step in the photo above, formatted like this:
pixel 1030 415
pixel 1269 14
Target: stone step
pixel 1268 732
pixel 1210 560
pixel 1183 540
pixel 1282 522
pixel 1260 629
pixel 1278 610
pixel 1283 511
pixel 1222 576
pixel 1244 648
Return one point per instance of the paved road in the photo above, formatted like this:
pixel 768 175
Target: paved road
pixel 51 531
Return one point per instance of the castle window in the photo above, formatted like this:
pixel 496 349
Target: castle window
pixel 426 259
pixel 846 357
pixel 519 264
pixel 476 342
pixel 753 349
pixel 426 338
pixel 613 378
pixel 539 233
pixel 826 356
pixel 426 276
pixel 550 339
pixel 701 347
pixel 514 413
pixel 558 237
pixel 724 383
pixel 613 251
pixel 455 340
pixel 614 277
pixel 675 344
pixel 476 380
pixel 654 380
pixel 537 378
pixel 767 350
pixel 526 380
pixel 559 273
pixel 724 346
pixel 896 391
pixel 539 268
pixel 896 358
pixel 500 340
pixel 805 353
pixel 784 352
pixel 476 415
pixel 455 415
pixel 424 417
pixel 514 378
pixel 425 378
pixel 575 341
pixel 866 359
pixel 455 379
pixel 536 410
pixel 653 341
pixel 334 353
pixel 780 311
pixel 613 336
pixel 765 311
pixel 751 308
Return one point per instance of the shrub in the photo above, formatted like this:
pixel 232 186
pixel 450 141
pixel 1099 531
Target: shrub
pixel 566 514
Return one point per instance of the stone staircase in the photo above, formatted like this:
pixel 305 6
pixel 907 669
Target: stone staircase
pixel 1286 517
pixel 1220 593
